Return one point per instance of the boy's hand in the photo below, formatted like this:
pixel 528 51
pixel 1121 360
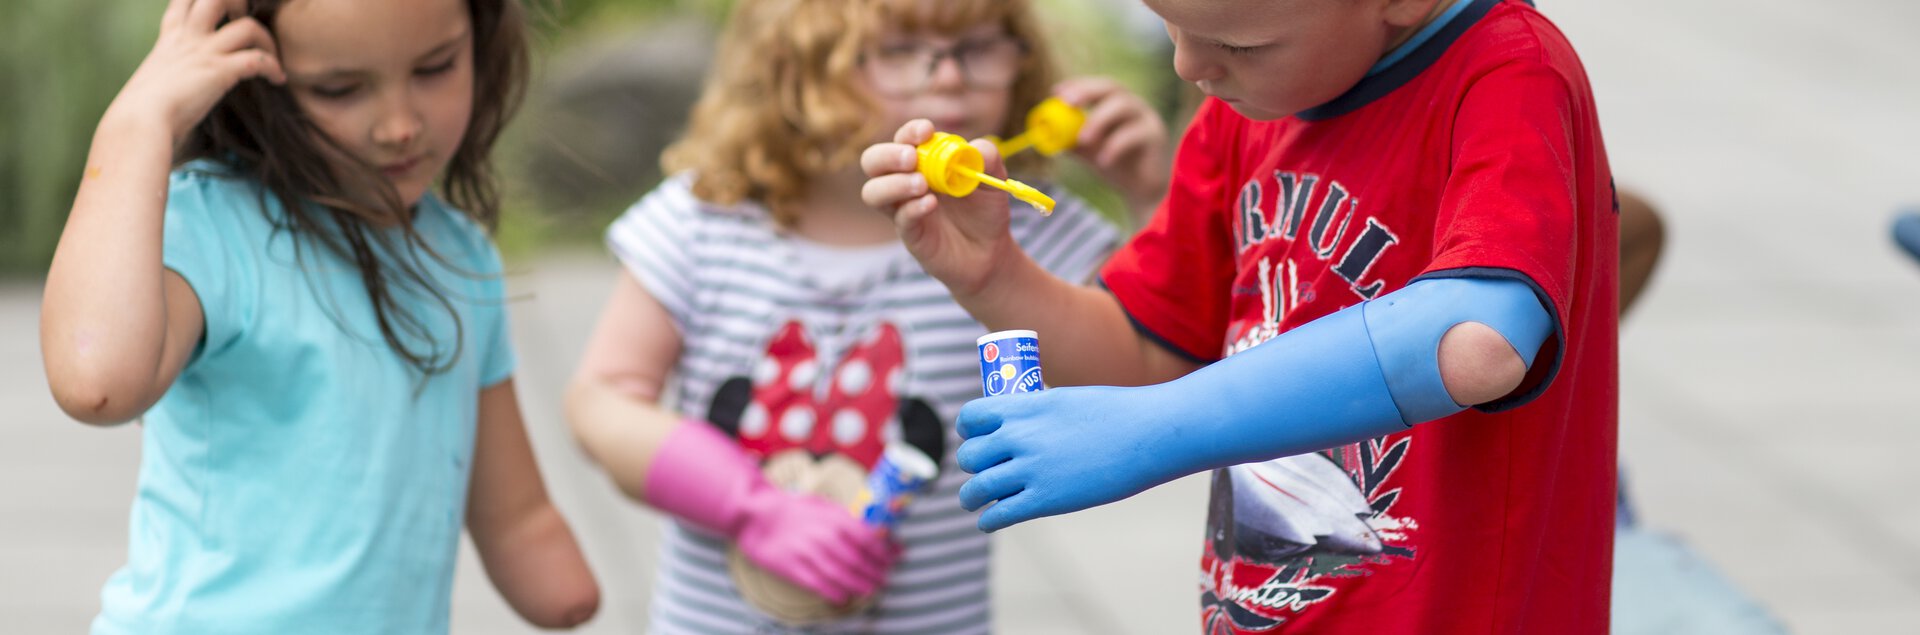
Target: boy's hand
pixel 1064 450
pixel 957 240
pixel 195 62
pixel 1123 138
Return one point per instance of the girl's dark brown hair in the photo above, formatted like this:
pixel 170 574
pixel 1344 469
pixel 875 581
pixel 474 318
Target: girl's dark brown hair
pixel 345 204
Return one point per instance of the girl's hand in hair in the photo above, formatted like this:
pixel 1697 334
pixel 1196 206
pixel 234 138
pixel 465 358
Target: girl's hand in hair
pixel 116 326
pixel 205 48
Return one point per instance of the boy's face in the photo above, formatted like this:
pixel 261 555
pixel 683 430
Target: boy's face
pixel 961 81
pixel 1272 58
pixel 391 82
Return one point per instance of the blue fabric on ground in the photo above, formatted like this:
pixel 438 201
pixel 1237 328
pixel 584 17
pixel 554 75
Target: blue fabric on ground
pixel 1662 586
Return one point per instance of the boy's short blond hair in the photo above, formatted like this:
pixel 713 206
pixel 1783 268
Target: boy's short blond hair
pixel 782 107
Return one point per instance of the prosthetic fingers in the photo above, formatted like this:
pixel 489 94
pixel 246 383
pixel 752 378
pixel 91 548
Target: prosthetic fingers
pixel 1362 372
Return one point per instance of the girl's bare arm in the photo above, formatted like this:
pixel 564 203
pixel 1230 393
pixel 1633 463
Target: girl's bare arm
pixel 613 403
pixel 526 547
pixel 115 326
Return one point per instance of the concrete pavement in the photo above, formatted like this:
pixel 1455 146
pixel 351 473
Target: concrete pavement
pixel 1770 380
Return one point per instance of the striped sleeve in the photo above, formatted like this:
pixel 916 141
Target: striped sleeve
pixel 1071 243
pixel 654 241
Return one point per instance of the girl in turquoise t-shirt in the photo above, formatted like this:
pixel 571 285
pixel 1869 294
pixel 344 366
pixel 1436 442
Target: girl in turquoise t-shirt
pixel 316 342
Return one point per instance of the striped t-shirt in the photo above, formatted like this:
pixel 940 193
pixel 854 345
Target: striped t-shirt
pixel 813 367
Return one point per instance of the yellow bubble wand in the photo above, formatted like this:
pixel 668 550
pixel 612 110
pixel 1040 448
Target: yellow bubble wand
pixel 953 168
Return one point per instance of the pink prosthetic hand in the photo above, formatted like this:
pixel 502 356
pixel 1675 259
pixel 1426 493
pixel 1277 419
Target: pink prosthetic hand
pixel 706 479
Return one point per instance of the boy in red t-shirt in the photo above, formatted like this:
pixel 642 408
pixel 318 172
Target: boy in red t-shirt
pixel 1389 213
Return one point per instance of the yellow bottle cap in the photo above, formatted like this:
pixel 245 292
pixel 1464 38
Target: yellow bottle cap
pixel 942 153
pixel 1053 127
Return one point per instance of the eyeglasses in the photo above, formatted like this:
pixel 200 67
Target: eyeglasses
pixel 990 62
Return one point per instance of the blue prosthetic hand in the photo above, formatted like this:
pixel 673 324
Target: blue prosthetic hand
pixel 1362 372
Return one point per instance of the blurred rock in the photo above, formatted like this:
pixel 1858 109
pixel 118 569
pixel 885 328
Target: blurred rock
pixel 595 125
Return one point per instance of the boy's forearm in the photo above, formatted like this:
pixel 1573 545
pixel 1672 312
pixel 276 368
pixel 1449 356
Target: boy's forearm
pixel 1085 336
pixel 104 317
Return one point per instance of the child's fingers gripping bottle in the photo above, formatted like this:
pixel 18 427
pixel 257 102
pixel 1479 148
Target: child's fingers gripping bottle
pixel 953 168
pixel 902 472
pixel 1053 127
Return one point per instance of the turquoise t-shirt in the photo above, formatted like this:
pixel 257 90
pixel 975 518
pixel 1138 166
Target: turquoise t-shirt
pixel 298 477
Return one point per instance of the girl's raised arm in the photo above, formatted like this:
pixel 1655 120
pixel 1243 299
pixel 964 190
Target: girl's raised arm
pixel 115 326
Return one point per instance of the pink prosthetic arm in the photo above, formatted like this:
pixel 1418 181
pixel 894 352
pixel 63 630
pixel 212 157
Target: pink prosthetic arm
pixel 706 479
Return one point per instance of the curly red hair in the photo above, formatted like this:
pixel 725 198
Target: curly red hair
pixel 783 99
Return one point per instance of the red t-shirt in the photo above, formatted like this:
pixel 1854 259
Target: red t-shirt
pixel 1479 154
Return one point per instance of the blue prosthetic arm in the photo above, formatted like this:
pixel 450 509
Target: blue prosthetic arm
pixel 1365 371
